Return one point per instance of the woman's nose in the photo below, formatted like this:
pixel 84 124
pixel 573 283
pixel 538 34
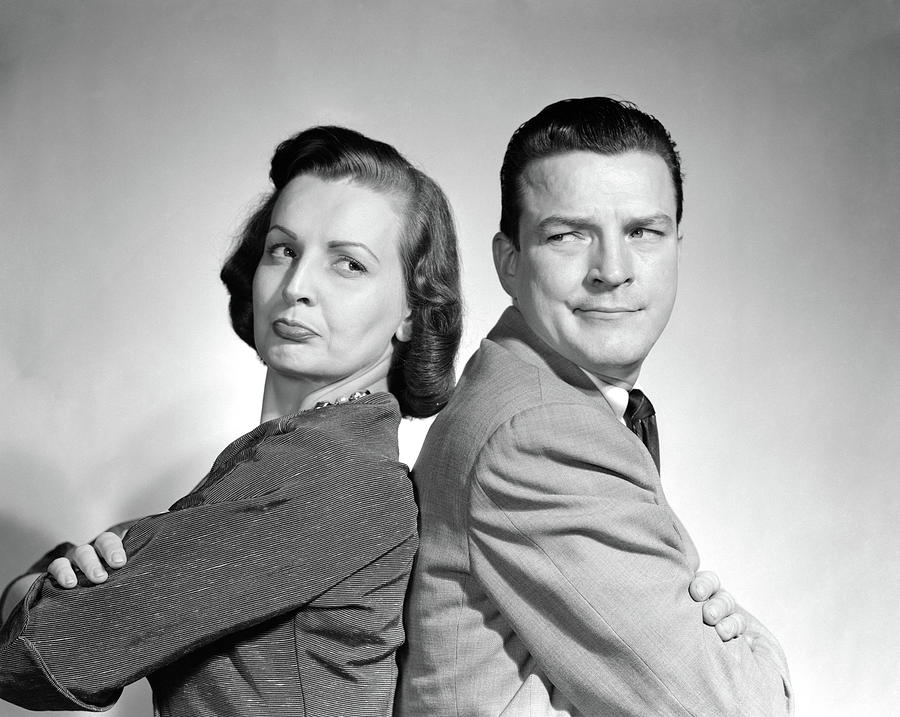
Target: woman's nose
pixel 300 285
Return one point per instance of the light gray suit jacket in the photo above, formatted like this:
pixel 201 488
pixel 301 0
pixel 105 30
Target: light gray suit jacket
pixel 552 576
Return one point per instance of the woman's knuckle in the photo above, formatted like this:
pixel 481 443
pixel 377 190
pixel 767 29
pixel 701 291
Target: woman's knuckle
pixel 83 551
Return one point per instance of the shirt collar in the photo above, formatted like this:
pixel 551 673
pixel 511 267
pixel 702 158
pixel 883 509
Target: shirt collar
pixel 616 394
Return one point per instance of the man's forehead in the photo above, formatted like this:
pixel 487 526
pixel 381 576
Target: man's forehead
pixel 582 180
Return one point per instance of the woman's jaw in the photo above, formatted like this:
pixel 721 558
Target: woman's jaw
pixel 287 394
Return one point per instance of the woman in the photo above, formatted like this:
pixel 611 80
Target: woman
pixel 275 587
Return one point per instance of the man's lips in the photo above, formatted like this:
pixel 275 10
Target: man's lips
pixel 293 330
pixel 601 310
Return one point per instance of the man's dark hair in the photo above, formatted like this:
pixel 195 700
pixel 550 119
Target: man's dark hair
pixel 422 371
pixel 589 124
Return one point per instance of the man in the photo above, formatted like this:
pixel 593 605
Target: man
pixel 553 577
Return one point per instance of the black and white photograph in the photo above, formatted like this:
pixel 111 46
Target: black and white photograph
pixel 498 358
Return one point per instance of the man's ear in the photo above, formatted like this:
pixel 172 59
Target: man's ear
pixel 506 262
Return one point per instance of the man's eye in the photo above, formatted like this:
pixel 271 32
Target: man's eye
pixel 563 238
pixel 644 233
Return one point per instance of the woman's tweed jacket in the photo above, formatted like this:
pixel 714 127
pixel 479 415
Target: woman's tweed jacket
pixel 274 588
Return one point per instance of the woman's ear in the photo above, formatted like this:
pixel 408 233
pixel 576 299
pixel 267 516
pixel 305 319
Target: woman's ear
pixel 404 330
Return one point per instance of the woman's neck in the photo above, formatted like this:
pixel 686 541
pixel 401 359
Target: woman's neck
pixel 284 395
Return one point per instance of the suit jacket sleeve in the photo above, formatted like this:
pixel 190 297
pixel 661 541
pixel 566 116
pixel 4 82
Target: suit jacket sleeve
pixel 572 538
pixel 195 575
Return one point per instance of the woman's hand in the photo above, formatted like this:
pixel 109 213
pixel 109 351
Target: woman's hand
pixel 92 559
pixel 719 608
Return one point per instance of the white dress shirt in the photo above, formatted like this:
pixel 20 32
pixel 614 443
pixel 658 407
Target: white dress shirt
pixel 616 394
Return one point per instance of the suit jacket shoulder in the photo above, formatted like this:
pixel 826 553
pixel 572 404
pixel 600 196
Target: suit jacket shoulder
pixel 552 576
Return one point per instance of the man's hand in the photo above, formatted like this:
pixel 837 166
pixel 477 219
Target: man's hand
pixel 92 559
pixel 719 608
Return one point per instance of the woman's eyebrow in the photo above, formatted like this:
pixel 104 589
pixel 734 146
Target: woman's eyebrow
pixel 341 244
pixel 284 231
pixel 333 244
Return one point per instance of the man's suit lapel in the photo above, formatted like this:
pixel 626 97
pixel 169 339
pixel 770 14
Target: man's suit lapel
pixel 514 335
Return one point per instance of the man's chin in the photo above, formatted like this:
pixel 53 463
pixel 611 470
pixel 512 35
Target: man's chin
pixel 621 366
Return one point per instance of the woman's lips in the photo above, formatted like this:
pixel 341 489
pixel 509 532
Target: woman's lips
pixel 292 330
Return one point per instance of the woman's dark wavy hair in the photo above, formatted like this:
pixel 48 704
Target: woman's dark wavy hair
pixel 589 124
pixel 422 374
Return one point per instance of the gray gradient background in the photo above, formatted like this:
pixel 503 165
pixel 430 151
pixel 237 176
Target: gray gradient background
pixel 135 135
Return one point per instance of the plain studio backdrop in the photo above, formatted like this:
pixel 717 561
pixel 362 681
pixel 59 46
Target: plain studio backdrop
pixel 135 136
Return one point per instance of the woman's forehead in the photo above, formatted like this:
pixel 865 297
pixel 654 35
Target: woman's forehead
pixel 341 209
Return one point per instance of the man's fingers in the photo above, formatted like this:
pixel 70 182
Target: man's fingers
pixel 718 607
pixel 731 627
pixel 85 557
pixel 61 571
pixel 109 546
pixel 704 584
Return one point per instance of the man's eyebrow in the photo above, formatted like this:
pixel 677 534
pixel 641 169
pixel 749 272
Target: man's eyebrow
pixel 659 219
pixel 555 220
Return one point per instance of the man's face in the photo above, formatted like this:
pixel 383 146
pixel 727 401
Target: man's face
pixel 597 266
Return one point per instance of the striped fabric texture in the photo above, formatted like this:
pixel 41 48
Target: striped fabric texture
pixel 274 588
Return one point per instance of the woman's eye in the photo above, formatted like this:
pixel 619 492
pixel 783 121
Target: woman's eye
pixel 282 251
pixel 350 267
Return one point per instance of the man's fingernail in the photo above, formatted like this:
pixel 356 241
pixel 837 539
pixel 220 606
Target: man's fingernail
pixel 99 574
pixel 69 581
pixel 118 557
pixel 713 615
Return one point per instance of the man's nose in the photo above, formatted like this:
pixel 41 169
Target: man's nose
pixel 611 262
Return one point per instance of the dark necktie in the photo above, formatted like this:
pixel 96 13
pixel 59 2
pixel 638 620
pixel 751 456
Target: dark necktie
pixel 641 419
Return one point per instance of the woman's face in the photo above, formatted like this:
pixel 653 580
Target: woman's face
pixel 329 292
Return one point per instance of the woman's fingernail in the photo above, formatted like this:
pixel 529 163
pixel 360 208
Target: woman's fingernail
pixel 118 557
pixel 69 581
pixel 99 574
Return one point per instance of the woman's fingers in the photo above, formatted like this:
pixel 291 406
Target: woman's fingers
pixel 109 546
pixel 704 584
pixel 62 572
pixel 86 558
